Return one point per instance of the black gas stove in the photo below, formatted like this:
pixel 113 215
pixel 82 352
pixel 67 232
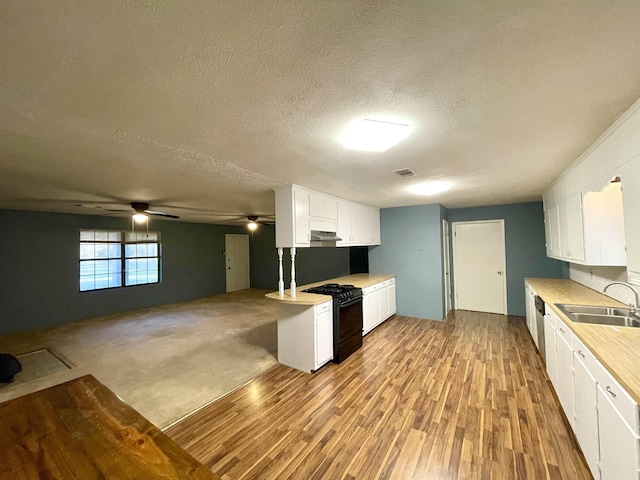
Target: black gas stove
pixel 347 317
pixel 342 293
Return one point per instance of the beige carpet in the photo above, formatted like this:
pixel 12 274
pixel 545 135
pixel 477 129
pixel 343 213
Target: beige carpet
pixel 164 361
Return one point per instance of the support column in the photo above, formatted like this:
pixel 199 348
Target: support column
pixel 280 274
pixel 293 272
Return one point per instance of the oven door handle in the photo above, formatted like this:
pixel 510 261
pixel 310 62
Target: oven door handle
pixel 350 302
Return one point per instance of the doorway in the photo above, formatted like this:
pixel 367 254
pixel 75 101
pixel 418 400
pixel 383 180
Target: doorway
pixel 479 266
pixel 237 262
pixel 446 276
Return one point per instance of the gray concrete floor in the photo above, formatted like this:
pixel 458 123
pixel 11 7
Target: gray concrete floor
pixel 164 361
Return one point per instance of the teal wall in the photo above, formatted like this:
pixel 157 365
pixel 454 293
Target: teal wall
pixel 411 248
pixel 39 268
pixel 525 246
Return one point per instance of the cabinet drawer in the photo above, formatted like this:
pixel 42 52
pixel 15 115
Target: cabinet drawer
pixel 368 290
pixel 585 355
pixel 323 307
pixel 371 288
pixel 625 405
pixel 551 319
pixel 564 331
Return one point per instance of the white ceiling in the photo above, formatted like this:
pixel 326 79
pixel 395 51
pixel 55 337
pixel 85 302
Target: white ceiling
pixel 205 107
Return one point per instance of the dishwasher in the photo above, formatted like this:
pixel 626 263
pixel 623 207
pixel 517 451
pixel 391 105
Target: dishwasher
pixel 540 327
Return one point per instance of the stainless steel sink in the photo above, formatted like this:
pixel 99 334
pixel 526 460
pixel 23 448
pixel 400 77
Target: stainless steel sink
pixel 614 316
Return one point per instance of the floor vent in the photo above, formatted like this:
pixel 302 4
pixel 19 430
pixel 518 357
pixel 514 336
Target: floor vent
pixel 39 364
pixel 405 172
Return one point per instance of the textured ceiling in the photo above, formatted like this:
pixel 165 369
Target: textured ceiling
pixel 205 107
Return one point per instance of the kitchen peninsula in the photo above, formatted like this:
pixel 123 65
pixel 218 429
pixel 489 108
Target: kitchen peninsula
pixel 308 325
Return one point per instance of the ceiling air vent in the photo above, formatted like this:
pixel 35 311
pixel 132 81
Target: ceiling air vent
pixel 405 172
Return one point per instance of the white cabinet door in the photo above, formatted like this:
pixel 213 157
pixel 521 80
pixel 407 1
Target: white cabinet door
pixel 384 304
pixel 375 226
pixel 619 445
pixel 554 230
pixel 323 206
pixel 344 223
pixel 630 178
pixel 550 351
pixel 547 231
pixel 532 313
pixel 370 311
pixel 392 299
pixel 356 224
pixel 527 306
pixel 301 216
pixel 564 366
pixel 324 337
pixel 571 228
pixel 586 421
pixel 530 295
pixel 367 226
pixel 573 218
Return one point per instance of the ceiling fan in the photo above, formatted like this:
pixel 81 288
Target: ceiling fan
pixel 141 212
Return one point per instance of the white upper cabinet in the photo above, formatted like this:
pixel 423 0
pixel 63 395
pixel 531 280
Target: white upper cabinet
pixel 610 230
pixel 375 226
pixel 300 210
pixel 323 206
pixel 630 176
pixel 588 228
pixel 552 227
pixel 604 226
pixel 301 213
pixel 571 228
pixel 357 236
pixel 344 223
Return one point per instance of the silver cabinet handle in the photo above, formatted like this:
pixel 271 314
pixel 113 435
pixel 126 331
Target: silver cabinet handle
pixel 581 354
pixel 561 329
pixel 609 390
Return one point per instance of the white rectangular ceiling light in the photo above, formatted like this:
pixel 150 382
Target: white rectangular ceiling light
pixel 375 136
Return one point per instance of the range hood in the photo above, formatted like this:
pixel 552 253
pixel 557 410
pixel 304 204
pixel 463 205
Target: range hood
pixel 322 236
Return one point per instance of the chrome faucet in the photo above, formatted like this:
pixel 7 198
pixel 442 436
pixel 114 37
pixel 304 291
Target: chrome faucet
pixel 634 308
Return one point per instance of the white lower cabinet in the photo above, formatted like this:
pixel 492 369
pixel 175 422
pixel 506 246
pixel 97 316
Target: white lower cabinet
pixel 323 337
pixel 532 325
pixel 550 349
pixel 564 369
pixel 392 297
pixel 370 309
pixel 305 335
pixel 378 304
pixel 585 408
pixel 604 417
pixel 618 441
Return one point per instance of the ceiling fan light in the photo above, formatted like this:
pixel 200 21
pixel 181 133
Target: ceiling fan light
pixel 252 225
pixel 139 217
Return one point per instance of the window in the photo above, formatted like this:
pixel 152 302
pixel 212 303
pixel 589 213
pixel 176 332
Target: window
pixel 111 259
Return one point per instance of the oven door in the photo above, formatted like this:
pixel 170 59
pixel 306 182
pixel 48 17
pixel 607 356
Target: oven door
pixel 347 329
pixel 350 316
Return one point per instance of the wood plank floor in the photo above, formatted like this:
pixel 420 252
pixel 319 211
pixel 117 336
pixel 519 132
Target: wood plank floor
pixel 465 398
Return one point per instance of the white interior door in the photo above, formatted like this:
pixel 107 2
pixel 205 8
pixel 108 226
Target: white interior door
pixel 479 266
pixel 237 261
pixel 445 267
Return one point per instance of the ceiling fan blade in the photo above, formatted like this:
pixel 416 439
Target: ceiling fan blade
pixel 160 214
